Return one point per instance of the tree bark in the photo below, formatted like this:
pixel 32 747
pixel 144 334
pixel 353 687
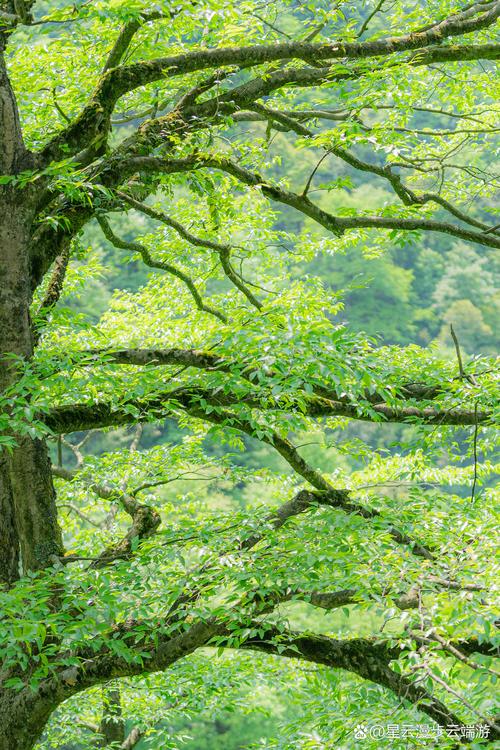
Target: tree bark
pixel 112 727
pixel 12 150
pixel 27 496
pixel 29 532
pixel 22 719
pixel 9 541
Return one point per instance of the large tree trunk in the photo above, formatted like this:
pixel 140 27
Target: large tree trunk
pixel 9 541
pixel 21 726
pixel 27 498
pixel 29 532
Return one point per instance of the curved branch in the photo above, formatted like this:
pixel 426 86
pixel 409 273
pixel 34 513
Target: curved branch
pixel 326 494
pixel 335 224
pixel 292 121
pixel 368 658
pixel 222 249
pixel 136 247
pixel 187 116
pixel 145 520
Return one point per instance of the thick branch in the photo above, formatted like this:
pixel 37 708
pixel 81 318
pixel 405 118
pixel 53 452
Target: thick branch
pixel 112 171
pixel 94 120
pixel 335 224
pixel 368 658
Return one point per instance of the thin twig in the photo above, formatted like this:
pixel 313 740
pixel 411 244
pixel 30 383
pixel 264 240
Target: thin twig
pixel 476 431
pixel 459 697
pixel 369 18
pixel 311 176
pixel 136 247
pixel 460 656
pixel 79 514
pixel 457 349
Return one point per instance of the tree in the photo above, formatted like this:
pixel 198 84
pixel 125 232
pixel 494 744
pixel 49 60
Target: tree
pixel 167 114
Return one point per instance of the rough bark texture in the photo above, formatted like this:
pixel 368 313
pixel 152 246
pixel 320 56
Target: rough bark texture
pixel 27 498
pixel 35 504
pixel 9 542
pixel 17 728
pixel 12 151
pixel 26 480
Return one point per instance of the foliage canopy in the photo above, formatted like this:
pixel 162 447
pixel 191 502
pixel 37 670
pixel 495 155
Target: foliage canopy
pixel 245 482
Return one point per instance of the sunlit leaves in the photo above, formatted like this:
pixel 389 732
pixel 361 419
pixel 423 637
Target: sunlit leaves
pixel 209 468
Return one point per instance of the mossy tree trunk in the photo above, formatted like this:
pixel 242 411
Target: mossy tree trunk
pixel 29 532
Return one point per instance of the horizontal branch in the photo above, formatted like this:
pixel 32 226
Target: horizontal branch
pixel 93 122
pixel 190 115
pixel 409 599
pixel 82 416
pixel 338 225
pixel 111 171
pixel 368 658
